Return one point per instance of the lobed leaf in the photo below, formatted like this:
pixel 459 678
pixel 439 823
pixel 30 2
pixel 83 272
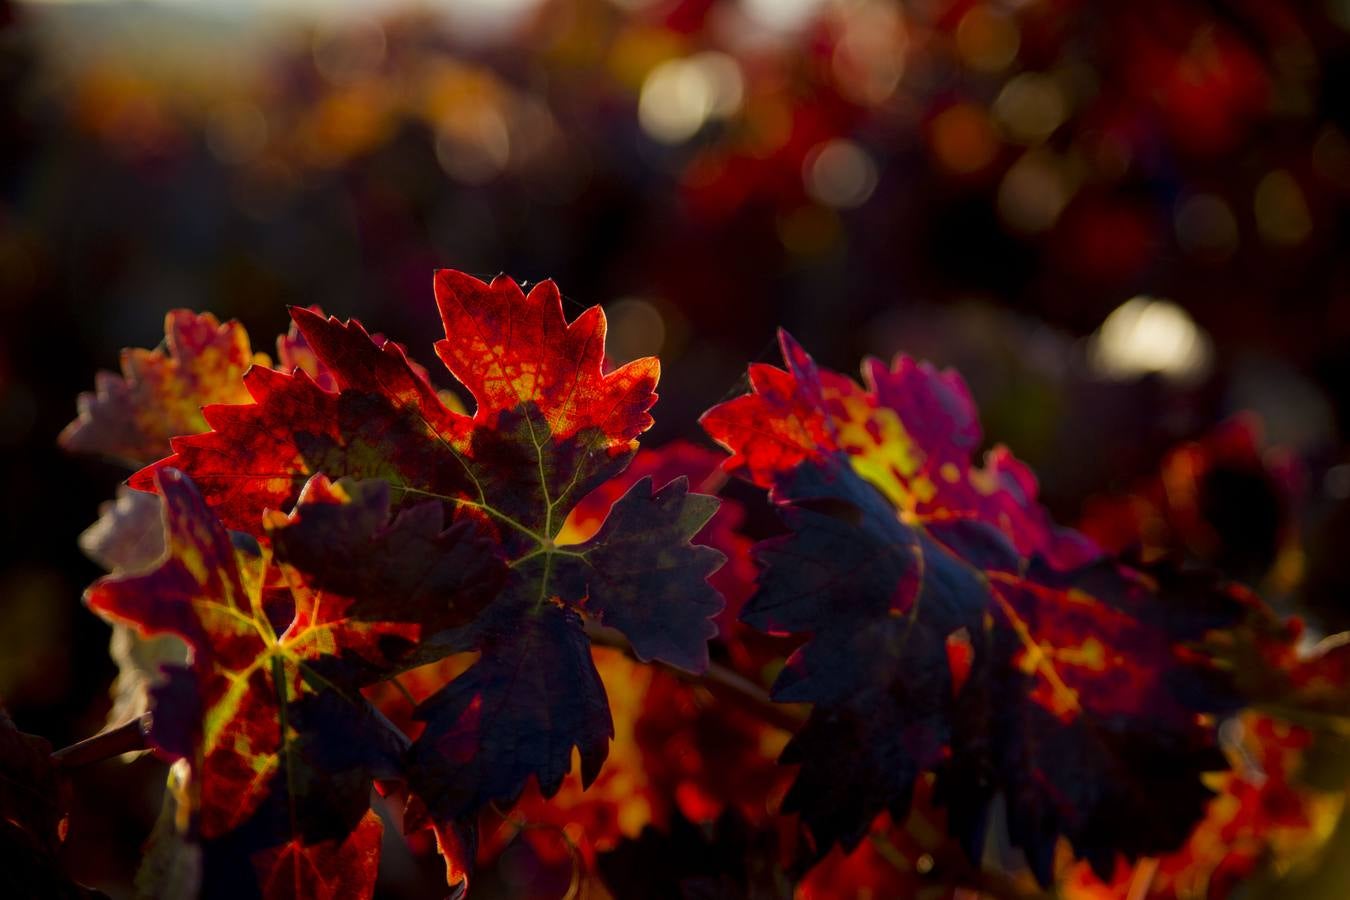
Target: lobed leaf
pixel 909 431
pixel 129 537
pixel 550 426
pixel 675 746
pixel 517 712
pixel 735 580
pixel 160 394
pixel 641 575
pixel 954 629
pixel 282 748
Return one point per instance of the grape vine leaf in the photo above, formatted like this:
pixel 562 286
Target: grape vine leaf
pixel 955 629
pixel 159 395
pixel 676 751
pixel 129 537
pixel 535 693
pixel 641 564
pixel 674 745
pixel 294 352
pixel 735 580
pixel 132 419
pixel 283 633
pixel 550 425
pixel 129 533
pixel 617 804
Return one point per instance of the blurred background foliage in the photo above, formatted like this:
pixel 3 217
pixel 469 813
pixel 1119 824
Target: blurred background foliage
pixel 1125 223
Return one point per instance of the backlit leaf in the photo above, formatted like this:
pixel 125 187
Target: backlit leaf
pixel 129 537
pixel 282 748
pixel 550 425
pixel 955 629
pixel 160 393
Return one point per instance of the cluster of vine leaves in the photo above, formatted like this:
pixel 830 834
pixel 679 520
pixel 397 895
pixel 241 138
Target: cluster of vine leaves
pixel 335 521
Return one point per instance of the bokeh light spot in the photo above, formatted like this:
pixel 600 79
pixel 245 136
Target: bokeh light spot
pixel 680 95
pixel 987 39
pixel 869 59
pixel 839 173
pixel 782 15
pixel 1030 107
pixel 1150 336
pixel 962 139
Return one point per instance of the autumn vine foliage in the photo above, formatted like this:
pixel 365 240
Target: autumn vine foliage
pixel 343 605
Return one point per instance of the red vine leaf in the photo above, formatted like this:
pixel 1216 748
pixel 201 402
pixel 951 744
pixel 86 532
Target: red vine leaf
pixel 517 712
pixel 550 426
pixel 639 572
pixel 281 745
pixel 161 392
pixel 1081 699
pixel 512 349
pixel 909 431
pixel 676 746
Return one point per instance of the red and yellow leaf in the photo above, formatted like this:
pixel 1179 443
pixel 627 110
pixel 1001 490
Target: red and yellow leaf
pixel 955 629
pixel 160 393
pixel 282 747
pixel 550 425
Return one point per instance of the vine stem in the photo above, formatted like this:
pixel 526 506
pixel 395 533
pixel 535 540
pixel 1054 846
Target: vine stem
pixel 125 738
pixel 719 679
